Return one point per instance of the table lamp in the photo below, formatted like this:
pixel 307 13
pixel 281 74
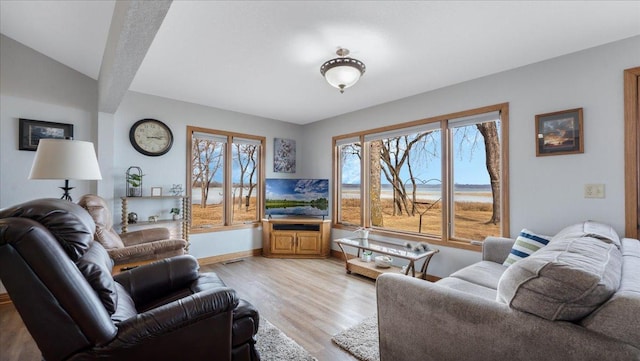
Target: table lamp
pixel 65 159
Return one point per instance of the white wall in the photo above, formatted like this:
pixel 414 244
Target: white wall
pixel 171 168
pixel 546 193
pixel 34 86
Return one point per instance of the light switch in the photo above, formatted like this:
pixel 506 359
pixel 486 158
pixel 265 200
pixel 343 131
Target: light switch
pixel 594 190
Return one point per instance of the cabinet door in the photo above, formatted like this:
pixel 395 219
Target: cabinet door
pixel 282 242
pixel 309 243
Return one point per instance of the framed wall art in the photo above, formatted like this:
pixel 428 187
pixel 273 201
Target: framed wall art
pixel 284 155
pixel 31 131
pixel 156 191
pixel 559 133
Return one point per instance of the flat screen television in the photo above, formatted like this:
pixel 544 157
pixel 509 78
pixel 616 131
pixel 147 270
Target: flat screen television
pixel 297 197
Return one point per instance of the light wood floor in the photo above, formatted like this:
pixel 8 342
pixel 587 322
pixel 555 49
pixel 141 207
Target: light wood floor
pixel 309 300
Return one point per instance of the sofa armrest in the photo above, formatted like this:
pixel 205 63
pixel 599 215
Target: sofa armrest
pixel 147 251
pixel 145 236
pixel 496 249
pixel 156 280
pixel 424 321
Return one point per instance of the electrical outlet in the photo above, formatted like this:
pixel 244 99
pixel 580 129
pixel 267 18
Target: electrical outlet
pixel 594 190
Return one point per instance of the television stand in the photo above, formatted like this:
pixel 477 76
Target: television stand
pixel 295 238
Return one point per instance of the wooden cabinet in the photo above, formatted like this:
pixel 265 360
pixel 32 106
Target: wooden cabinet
pixel 295 238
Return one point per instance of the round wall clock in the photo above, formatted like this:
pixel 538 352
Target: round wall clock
pixel 151 137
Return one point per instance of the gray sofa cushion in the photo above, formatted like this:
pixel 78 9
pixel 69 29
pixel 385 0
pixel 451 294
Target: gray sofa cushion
pixel 483 273
pixel 566 280
pixel 468 287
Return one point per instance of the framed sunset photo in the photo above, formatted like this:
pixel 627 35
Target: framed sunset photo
pixel 559 133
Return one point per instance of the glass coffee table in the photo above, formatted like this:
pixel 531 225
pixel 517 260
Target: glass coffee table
pixel 396 251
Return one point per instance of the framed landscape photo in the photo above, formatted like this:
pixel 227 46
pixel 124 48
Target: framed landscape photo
pixel 31 131
pixel 559 133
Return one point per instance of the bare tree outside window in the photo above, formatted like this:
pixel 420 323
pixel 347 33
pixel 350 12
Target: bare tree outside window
pixel 245 169
pixel 412 176
pixel 225 178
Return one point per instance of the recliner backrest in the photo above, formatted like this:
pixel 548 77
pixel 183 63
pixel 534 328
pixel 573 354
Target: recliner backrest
pixel 40 243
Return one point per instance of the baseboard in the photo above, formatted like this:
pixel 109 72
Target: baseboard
pixel 229 256
pixel 4 299
pixel 339 255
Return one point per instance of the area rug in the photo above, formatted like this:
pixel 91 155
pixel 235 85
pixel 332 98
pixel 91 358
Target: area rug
pixel 361 340
pixel 274 345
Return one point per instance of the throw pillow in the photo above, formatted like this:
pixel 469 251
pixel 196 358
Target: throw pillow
pixel 600 231
pixel 564 281
pixel 526 243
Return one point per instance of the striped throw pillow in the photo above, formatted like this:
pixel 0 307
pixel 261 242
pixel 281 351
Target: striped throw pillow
pixel 526 244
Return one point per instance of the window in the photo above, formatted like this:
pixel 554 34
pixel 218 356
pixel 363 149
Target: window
pixel 439 179
pixel 226 178
pixel 350 180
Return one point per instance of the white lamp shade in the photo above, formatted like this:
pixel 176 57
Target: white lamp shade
pixel 65 159
pixel 342 76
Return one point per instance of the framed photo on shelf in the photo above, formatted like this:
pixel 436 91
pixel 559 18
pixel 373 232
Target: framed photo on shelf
pixel 559 133
pixel 31 131
pixel 156 191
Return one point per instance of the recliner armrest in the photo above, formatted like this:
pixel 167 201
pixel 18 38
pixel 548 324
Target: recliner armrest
pixel 194 327
pixel 155 280
pixel 177 314
pixel 145 236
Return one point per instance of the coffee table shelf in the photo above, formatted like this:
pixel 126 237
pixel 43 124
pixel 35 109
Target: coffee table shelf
pixel 369 269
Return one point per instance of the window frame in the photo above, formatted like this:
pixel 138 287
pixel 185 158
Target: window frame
pixel 447 191
pixel 228 203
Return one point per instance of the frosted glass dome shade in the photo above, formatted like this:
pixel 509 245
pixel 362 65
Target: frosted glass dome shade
pixel 342 72
pixel 342 77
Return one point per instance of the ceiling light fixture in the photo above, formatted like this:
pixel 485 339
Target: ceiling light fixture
pixel 342 72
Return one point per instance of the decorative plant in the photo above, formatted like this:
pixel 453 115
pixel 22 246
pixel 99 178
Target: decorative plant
pixel 175 212
pixel 135 179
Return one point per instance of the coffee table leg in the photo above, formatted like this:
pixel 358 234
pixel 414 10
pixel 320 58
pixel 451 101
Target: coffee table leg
pixel 346 259
pixel 424 266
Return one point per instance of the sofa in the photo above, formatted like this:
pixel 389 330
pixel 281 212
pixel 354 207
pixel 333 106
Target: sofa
pixel 575 298
pixel 60 281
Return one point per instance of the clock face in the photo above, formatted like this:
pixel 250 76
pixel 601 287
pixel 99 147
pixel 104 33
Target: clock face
pixel 151 137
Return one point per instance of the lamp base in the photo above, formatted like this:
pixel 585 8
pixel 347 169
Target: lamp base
pixel 66 190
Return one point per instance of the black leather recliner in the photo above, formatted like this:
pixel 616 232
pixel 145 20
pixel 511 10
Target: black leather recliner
pixel 60 281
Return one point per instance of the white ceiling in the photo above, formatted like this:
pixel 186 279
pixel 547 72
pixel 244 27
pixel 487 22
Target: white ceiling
pixel 263 57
